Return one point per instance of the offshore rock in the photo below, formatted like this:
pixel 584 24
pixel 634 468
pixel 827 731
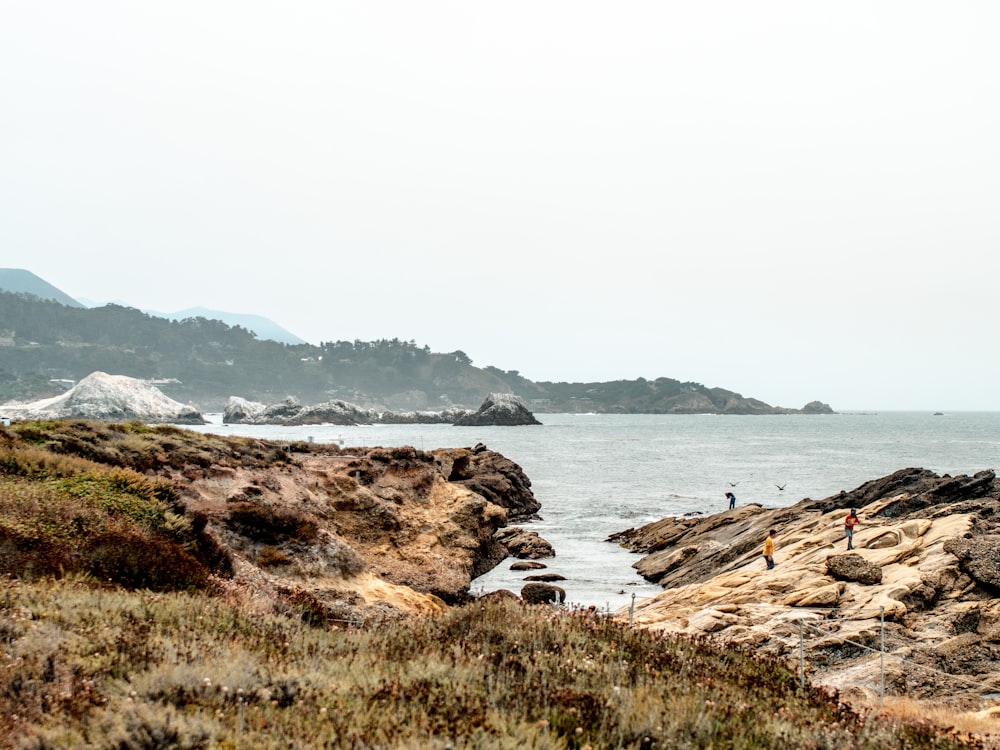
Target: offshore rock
pixel 108 398
pixel 499 410
pixel 524 545
pixel 925 559
pixel 290 412
pixel 542 593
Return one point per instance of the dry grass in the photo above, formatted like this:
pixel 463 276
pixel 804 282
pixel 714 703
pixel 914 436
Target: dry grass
pixel 985 723
pixel 91 667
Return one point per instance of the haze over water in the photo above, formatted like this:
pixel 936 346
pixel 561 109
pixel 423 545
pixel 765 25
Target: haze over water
pixel 595 475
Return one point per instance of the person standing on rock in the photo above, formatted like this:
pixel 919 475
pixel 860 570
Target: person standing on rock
pixel 769 550
pixel 849 523
pixel 732 500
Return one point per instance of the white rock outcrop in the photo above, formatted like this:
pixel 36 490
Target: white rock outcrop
pixel 109 398
pixel 499 410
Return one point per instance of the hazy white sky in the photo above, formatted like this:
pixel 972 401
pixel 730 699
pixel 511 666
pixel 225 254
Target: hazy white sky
pixel 792 200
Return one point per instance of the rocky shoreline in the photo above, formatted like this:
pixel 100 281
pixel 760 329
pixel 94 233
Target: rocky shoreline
pixel 114 398
pixel 926 562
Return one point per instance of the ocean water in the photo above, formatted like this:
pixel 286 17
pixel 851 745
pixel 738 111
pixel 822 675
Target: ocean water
pixel 597 474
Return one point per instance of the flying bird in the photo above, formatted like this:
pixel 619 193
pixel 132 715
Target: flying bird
pixel 733 484
pixel 781 486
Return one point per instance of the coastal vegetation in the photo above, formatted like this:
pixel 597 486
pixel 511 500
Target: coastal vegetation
pixel 88 665
pixel 48 346
pixel 117 630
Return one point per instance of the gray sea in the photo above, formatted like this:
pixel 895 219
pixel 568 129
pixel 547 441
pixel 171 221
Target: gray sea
pixel 596 474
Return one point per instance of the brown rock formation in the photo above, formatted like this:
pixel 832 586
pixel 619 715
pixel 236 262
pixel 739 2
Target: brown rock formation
pixel 925 557
pixel 524 544
pixel 360 534
pixel 540 593
pixel 853 567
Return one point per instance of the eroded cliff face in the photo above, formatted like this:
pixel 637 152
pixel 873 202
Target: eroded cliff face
pixel 360 534
pixel 925 558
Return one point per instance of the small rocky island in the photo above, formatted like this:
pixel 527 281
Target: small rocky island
pixel 497 410
pixel 109 398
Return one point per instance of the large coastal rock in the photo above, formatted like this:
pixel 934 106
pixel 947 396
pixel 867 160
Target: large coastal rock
pixel 499 410
pixel 364 533
pixel 110 398
pixel 924 558
pixel 291 412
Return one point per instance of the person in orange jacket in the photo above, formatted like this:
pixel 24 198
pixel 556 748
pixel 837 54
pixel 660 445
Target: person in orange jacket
pixel 769 550
pixel 849 523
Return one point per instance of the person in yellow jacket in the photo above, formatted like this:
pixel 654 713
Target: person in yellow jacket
pixel 769 550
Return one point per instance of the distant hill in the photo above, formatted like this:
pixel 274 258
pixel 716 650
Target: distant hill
pixel 201 358
pixel 25 282
pixel 20 281
pixel 263 327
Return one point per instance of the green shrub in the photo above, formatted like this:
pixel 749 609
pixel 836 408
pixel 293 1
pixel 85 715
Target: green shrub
pixel 264 524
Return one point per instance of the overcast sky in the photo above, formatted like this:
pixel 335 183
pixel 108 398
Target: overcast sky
pixel 791 200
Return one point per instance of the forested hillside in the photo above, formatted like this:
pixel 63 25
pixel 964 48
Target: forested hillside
pixel 46 346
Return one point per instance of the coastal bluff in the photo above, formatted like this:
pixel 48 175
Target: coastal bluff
pixel 926 558
pixel 355 534
pixel 378 532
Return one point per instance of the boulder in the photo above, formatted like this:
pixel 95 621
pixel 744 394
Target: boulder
pixel 109 398
pixel 499 410
pixel 541 593
pixel 524 544
pixel 980 558
pixel 854 568
pixel 499 595
pixel 528 565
